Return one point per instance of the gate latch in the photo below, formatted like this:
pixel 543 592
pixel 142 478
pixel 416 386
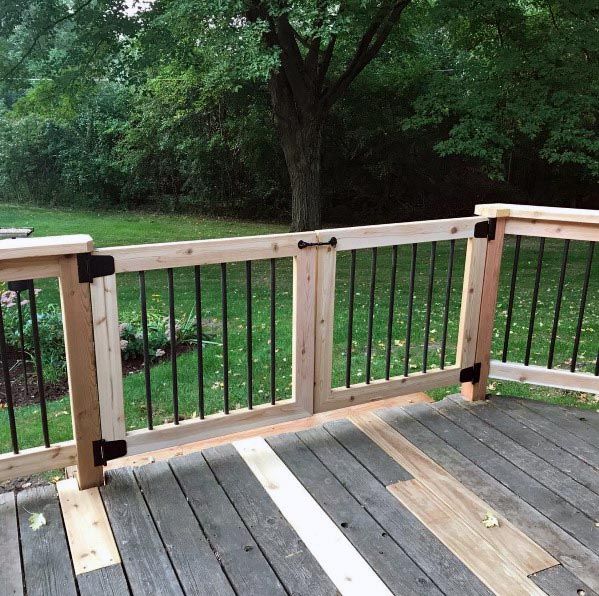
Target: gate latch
pixel 303 244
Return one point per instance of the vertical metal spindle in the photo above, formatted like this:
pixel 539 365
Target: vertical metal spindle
pixel 39 373
pixel 583 302
pixel 597 365
pixel 248 327
pixel 447 302
pixel 172 323
pixel 535 299
pixel 429 305
pixel 391 311
pixel 350 318
pixel 371 315
pixel 199 339
pixel 406 367
pixel 22 342
pixel 510 307
pixel 273 351
pixel 558 303
pixel 8 387
pixel 146 347
pixel 223 284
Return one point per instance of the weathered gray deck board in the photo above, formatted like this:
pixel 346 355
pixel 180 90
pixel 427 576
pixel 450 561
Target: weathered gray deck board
pixel 195 564
pixel 11 577
pixel 286 552
pixel 381 552
pixel 548 475
pixel 108 581
pixel 442 566
pixel 551 431
pixel 579 559
pixel 46 557
pixel 558 581
pixel 146 563
pixel 537 444
pixel 367 452
pixel 246 567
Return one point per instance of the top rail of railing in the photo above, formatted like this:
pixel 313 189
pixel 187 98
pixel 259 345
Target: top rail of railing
pixel 513 211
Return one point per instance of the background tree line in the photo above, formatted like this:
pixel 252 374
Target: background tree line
pixel 373 110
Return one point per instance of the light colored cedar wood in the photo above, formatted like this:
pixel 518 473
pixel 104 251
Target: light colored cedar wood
pixel 507 540
pixel 486 318
pixel 304 313
pixel 471 296
pixel 534 212
pixel 499 574
pixel 381 388
pixel 553 229
pixel 31 268
pixel 302 423
pixel 45 246
pixel 108 357
pixel 401 233
pixel 143 257
pixel 335 553
pixel 76 310
pixel 37 459
pixel 90 538
pixel 325 307
pixel 548 377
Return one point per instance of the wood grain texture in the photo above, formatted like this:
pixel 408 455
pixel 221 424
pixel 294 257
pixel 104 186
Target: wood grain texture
pixel 11 580
pixel 553 229
pixel 32 268
pixel 537 212
pixel 37 459
pixel 108 581
pixel 44 246
pixel 557 581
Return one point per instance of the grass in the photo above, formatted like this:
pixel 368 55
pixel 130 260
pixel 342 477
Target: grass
pixel 127 228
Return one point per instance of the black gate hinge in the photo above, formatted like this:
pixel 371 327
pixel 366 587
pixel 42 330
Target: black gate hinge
pixel 91 266
pixel 303 244
pixel 486 229
pixel 105 450
pixel 470 374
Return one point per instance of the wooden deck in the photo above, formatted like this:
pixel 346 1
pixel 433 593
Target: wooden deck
pixel 386 502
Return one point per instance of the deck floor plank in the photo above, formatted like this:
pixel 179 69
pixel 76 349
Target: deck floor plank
pixel 194 561
pixel 383 554
pixel 561 484
pixel 558 581
pixel 11 577
pixel 106 581
pixel 244 564
pixel 46 558
pixel 436 560
pixel 143 555
pixel 419 428
pixel 293 563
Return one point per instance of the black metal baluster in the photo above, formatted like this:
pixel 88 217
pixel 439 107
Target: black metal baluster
pixel 510 307
pixel 535 299
pixel 558 303
pixel 39 373
pixel 22 342
pixel 406 368
pixel 146 347
pixel 172 323
pixel 248 327
pixel 391 311
pixel 199 340
pixel 223 282
pixel 273 351
pixel 350 318
pixel 371 315
pixel 429 305
pixel 447 302
pixel 8 387
pixel 583 302
pixel 597 365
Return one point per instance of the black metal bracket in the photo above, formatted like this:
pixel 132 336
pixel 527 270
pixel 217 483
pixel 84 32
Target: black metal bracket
pixel 91 266
pixel 486 229
pixel 105 450
pixel 21 285
pixel 470 374
pixel 304 244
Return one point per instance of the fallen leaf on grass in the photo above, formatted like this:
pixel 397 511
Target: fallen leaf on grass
pixel 36 521
pixel 490 521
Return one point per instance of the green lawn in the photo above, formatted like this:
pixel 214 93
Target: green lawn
pixel 127 228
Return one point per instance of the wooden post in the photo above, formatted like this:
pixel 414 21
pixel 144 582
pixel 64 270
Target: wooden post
pixel 304 303
pixel 81 367
pixel 481 325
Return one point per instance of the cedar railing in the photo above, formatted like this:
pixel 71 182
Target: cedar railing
pixel 394 314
